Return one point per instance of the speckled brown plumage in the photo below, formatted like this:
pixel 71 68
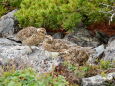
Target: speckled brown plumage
pixel 77 55
pixel 31 35
pixel 56 45
pixel 68 51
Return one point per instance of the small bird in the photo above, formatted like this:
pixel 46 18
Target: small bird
pixel 31 36
pixel 76 55
pixel 47 43
pixel 55 45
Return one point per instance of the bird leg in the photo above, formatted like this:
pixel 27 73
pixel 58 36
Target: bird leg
pixel 31 50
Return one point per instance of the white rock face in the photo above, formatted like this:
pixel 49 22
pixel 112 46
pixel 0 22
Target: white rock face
pixel 98 51
pixel 97 80
pixel 110 50
pixel 7 23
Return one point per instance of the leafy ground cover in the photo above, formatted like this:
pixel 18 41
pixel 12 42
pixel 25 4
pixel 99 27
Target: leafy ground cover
pixel 74 74
pixel 29 77
pixel 66 74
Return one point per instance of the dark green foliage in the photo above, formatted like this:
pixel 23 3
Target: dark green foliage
pixel 13 3
pixel 93 10
pixel 110 82
pixel 8 5
pixel 2 10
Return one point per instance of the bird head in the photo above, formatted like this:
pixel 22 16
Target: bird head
pixel 41 30
pixel 48 38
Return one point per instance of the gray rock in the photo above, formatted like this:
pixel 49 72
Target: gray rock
pixel 97 80
pixel 4 42
pixel 58 35
pixel 14 51
pixel 98 52
pixel 36 57
pixel 82 38
pixel 7 24
pixel 110 50
pixel 43 61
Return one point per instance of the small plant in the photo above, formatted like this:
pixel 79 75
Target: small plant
pixel 105 64
pixel 70 66
pixel 103 74
pixel 85 68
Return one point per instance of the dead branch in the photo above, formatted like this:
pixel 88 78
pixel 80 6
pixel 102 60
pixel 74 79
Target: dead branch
pixel 111 12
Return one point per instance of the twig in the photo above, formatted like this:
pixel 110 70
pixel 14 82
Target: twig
pixel 111 12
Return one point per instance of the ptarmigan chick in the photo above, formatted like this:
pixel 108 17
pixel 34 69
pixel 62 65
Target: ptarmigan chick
pixel 31 36
pixel 77 54
pixel 56 45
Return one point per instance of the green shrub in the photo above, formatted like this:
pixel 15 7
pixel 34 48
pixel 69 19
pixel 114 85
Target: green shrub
pixel 105 64
pixel 28 77
pixel 51 14
pixel 61 14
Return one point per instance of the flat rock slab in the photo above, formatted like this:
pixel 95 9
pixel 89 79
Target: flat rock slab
pixel 36 57
pixel 97 80
pixel 82 37
pixel 6 42
pixel 110 50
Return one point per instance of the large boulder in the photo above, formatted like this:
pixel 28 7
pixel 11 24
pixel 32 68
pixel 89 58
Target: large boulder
pixel 35 57
pixel 110 50
pixel 82 37
pixel 8 24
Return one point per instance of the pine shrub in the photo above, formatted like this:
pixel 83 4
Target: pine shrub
pixel 61 14
pixel 51 14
